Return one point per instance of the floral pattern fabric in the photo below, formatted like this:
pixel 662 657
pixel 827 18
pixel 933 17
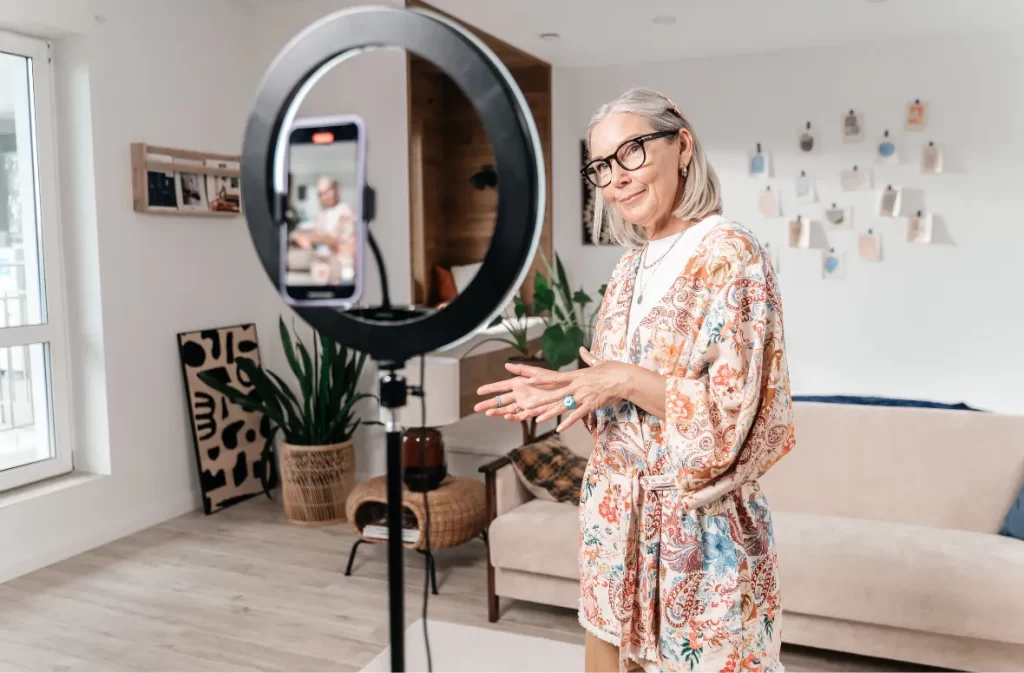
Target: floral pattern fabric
pixel 677 557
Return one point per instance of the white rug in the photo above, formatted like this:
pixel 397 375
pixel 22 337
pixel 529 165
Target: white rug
pixel 454 647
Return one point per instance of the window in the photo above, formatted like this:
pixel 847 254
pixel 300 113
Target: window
pixel 35 441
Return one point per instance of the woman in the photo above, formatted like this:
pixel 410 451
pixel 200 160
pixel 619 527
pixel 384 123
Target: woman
pixel 688 399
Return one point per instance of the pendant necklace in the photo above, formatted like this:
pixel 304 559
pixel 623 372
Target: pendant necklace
pixel 652 265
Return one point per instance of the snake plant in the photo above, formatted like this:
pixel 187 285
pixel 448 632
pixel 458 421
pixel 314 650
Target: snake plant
pixel 325 414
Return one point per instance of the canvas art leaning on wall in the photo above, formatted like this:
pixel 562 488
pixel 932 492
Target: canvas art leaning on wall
pixel 228 440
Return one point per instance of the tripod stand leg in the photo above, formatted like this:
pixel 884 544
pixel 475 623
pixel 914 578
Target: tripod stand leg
pixel 395 548
pixel 352 556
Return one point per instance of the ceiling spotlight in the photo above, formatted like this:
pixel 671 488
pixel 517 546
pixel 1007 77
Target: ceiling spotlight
pixel 664 20
pixel 549 36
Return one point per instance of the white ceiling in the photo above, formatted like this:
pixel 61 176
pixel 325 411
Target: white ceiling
pixel 604 32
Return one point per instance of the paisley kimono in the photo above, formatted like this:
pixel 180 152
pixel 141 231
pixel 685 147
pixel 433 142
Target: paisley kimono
pixel 677 556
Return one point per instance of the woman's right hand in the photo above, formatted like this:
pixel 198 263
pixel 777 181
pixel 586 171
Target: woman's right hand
pixel 507 396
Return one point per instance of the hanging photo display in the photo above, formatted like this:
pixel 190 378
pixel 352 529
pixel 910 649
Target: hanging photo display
pixel 805 192
pixel 800 233
pixel 919 228
pixel 869 246
pixel 768 203
pixel 890 201
pixel 853 127
pixel 917 115
pixel 855 179
pixel 833 264
pixel 887 150
pixel 838 218
pixel 806 139
pixel 931 159
pixel 758 163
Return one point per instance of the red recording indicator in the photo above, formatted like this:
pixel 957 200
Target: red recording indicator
pixel 323 138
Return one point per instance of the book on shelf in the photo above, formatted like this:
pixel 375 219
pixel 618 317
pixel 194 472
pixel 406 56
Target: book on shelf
pixel 378 530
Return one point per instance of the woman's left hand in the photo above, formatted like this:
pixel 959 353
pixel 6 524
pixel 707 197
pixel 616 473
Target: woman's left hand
pixel 593 387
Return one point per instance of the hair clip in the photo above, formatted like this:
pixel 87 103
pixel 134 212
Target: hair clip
pixel 673 107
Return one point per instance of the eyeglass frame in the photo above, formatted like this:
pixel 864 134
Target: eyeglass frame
pixel 641 140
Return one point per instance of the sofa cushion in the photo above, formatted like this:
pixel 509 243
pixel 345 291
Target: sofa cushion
pixel 549 469
pixel 1013 525
pixel 540 537
pixel 916 577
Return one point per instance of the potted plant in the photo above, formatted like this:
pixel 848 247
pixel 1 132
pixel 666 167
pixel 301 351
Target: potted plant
pixel 517 325
pixel 573 327
pixel 317 457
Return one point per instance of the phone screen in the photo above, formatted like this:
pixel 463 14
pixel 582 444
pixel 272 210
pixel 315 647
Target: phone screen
pixel 324 245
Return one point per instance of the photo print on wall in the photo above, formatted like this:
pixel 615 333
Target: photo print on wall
pixel 757 163
pixel 917 115
pixel 869 246
pixel 800 233
pixel 931 159
pixel 806 139
pixel 919 228
pixel 855 179
pixel 768 203
pixel 191 187
pixel 853 127
pixel 833 264
pixel 890 201
pixel 887 150
pixel 838 217
pixel 804 187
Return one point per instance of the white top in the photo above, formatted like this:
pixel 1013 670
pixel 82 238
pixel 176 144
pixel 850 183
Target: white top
pixel 653 284
pixel 336 220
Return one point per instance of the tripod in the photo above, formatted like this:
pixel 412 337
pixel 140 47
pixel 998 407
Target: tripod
pixel 393 393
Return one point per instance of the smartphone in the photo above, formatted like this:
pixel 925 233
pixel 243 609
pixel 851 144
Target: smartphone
pixel 324 228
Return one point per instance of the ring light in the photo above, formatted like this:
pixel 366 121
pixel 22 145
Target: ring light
pixel 395 335
pixel 387 334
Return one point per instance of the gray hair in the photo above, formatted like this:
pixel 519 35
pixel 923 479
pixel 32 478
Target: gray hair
pixel 702 193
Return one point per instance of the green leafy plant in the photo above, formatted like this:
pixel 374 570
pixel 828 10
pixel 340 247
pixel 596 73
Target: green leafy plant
pixel 327 382
pixel 568 322
pixel 573 325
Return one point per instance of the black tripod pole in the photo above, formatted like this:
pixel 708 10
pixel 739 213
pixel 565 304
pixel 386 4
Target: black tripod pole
pixel 393 392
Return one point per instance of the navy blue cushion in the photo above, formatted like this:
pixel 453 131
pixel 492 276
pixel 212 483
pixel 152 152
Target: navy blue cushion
pixel 881 402
pixel 1013 526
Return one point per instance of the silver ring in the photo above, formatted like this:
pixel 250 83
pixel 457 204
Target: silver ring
pixel 497 398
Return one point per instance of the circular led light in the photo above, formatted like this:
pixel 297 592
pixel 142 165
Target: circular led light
pixel 394 335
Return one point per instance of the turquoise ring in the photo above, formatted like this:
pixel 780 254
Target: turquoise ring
pixel 569 402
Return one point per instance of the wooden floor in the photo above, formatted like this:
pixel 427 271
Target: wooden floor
pixel 245 590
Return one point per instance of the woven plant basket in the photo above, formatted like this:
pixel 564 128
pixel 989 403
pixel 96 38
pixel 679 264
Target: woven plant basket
pixel 316 482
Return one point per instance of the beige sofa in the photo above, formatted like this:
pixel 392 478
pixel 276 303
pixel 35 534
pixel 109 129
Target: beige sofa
pixel 886 525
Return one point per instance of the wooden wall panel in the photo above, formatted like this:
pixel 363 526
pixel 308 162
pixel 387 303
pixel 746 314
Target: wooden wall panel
pixel 452 222
pixel 426 165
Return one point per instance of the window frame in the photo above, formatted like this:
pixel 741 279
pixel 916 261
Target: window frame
pixel 52 331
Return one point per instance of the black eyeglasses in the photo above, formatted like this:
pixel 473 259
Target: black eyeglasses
pixel 631 155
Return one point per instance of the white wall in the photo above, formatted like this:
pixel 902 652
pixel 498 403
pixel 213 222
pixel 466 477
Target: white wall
pixel 937 322
pixel 135 281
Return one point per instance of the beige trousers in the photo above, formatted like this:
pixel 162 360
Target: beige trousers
pixel 603 657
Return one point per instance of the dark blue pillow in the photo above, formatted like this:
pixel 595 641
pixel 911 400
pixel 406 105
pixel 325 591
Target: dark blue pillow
pixel 881 402
pixel 1013 526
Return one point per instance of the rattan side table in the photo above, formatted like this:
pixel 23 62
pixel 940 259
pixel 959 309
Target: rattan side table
pixel 458 513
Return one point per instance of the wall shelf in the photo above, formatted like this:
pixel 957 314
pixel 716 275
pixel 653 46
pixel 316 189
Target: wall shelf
pixel 172 181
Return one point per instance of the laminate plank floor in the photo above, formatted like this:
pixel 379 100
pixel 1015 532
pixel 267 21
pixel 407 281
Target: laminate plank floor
pixel 245 590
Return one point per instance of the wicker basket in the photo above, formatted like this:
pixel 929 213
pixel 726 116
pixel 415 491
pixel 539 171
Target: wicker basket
pixel 458 510
pixel 316 482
